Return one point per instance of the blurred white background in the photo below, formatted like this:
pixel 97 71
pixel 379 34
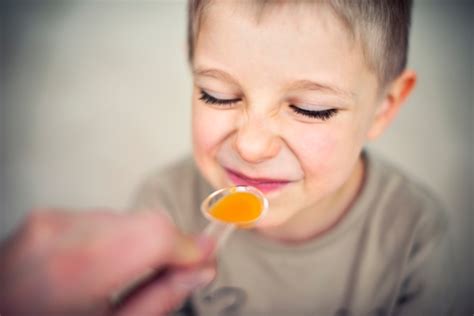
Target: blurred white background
pixel 95 94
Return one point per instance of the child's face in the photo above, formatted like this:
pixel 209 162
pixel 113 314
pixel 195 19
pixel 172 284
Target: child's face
pixel 290 101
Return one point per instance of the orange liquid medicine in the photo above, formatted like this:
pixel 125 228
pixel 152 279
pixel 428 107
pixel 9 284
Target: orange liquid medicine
pixel 238 208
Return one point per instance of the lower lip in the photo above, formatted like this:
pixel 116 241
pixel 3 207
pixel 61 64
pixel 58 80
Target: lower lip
pixel 265 187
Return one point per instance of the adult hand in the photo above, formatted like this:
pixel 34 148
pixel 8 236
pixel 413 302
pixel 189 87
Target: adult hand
pixel 63 263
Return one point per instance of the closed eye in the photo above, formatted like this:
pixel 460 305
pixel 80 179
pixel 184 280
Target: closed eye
pixel 322 115
pixel 209 99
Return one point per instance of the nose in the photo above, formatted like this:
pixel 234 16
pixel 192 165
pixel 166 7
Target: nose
pixel 255 141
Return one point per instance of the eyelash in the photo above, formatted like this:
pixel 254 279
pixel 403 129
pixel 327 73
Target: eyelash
pixel 322 115
pixel 209 99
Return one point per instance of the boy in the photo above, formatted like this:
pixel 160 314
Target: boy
pixel 286 94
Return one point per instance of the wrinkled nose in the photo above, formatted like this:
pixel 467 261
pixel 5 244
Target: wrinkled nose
pixel 255 141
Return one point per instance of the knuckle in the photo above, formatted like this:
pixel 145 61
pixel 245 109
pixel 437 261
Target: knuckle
pixel 38 226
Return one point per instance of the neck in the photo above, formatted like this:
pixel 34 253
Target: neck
pixel 321 218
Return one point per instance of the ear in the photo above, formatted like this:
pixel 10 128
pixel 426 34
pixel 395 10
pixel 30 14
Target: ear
pixel 393 99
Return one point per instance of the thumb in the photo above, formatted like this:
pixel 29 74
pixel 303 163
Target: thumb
pixel 191 250
pixel 168 293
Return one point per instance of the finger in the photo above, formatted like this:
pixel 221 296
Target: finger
pixel 126 250
pixel 189 250
pixel 166 294
pixel 84 257
pixel 122 295
pixel 95 252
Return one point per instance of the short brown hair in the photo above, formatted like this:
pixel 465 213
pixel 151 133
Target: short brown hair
pixel 382 26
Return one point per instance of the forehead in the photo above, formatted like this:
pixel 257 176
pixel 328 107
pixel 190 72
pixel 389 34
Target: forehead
pixel 283 40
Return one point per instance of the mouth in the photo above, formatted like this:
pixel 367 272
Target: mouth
pixel 265 185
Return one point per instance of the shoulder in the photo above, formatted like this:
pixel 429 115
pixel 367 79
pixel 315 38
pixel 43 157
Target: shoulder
pixel 401 191
pixel 412 232
pixel 405 210
pixel 175 176
pixel 176 188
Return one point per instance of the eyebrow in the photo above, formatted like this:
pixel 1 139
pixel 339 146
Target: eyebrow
pixel 315 86
pixel 214 73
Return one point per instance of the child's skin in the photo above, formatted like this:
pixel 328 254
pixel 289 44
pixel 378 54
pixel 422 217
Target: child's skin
pixel 267 67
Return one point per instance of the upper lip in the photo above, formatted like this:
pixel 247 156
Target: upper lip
pixel 256 180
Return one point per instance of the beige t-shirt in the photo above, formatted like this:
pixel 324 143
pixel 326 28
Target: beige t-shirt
pixel 386 257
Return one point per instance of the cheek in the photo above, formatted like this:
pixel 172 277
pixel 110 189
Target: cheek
pixel 203 136
pixel 317 151
pixel 210 127
pixel 327 154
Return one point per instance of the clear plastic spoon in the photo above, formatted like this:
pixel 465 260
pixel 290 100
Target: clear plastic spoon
pixel 237 207
pixel 230 208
